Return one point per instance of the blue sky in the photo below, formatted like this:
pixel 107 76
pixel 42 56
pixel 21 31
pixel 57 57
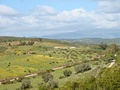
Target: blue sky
pixel 49 17
pixel 24 6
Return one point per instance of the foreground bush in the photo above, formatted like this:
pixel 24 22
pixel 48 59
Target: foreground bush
pixel 52 84
pixel 81 68
pixel 67 73
pixel 25 84
pixel 42 86
pixel 47 76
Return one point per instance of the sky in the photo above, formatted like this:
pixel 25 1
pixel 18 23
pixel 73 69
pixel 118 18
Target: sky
pixel 39 18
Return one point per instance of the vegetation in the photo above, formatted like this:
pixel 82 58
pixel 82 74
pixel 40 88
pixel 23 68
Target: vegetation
pixel 58 65
pixel 81 68
pixel 103 45
pixel 67 73
pixel 25 84
pixel 47 77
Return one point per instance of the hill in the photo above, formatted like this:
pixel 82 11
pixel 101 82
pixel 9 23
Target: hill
pixel 94 41
pixel 94 33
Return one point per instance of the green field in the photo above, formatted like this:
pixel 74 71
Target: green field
pixel 20 57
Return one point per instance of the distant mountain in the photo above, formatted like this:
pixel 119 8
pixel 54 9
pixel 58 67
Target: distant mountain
pixel 95 33
pixel 94 41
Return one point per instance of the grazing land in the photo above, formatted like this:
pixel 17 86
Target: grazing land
pixel 37 63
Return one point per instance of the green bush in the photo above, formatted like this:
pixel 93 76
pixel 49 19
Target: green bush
pixel 103 45
pixel 61 77
pixel 52 84
pixel 17 88
pixel 67 73
pixel 25 84
pixel 42 86
pixel 20 79
pixel 47 76
pixel 81 68
pixel 30 43
pixel 22 43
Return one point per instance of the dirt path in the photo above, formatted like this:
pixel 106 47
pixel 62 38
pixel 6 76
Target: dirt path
pixel 58 68
pixel 111 64
pixel 31 75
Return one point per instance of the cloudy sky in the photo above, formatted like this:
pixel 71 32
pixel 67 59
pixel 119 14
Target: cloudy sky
pixel 90 18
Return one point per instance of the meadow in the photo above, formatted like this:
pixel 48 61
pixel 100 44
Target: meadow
pixel 20 57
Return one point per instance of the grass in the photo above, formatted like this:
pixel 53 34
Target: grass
pixel 45 57
pixel 25 63
pixel 17 61
pixel 38 79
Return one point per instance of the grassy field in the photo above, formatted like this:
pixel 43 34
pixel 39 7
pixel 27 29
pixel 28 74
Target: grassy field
pixel 18 60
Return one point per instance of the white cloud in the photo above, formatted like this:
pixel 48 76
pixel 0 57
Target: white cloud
pixel 109 6
pixel 44 20
pixel 5 10
pixel 30 20
pixel 44 10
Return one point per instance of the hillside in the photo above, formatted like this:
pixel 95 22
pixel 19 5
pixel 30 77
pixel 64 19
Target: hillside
pixel 57 64
pixel 91 33
pixel 94 41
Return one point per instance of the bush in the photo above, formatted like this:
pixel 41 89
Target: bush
pixel 52 84
pixel 42 87
pixel 103 45
pixel 22 43
pixel 47 76
pixel 67 73
pixel 25 84
pixel 17 88
pixel 30 43
pixel 20 79
pixel 81 68
pixel 61 77
pixel 112 49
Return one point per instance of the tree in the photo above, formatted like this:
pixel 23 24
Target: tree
pixel 25 84
pixel 30 43
pixel 47 76
pixel 113 48
pixel 42 86
pixel 81 68
pixel 103 45
pixel 22 43
pixel 67 73
pixel 52 84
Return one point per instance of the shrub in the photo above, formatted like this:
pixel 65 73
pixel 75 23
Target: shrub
pixel 30 43
pixel 7 82
pixel 103 45
pixel 47 76
pixel 67 73
pixel 61 77
pixel 22 43
pixel 112 49
pixel 81 68
pixel 17 88
pixel 52 84
pixel 42 87
pixel 25 84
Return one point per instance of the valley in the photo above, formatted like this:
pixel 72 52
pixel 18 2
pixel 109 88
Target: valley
pixel 57 64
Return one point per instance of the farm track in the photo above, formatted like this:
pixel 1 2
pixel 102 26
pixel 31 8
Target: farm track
pixel 30 75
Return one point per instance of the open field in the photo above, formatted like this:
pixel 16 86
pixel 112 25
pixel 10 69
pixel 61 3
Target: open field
pixel 30 58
